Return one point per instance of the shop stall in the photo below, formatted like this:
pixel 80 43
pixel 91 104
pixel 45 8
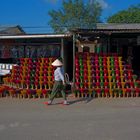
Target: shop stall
pixel 100 62
pixel 31 57
pixel 106 62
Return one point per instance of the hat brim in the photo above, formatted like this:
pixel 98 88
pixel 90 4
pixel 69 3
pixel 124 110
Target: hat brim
pixel 57 63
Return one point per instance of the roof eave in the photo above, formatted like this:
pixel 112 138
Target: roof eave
pixel 29 36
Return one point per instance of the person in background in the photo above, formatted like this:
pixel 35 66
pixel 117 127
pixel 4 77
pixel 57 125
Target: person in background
pixel 59 83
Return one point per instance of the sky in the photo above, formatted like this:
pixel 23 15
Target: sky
pixel 32 15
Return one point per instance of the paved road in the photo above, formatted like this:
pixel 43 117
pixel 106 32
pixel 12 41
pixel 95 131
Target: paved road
pixel 96 119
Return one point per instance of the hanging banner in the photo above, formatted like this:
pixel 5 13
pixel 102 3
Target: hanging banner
pixel 6 52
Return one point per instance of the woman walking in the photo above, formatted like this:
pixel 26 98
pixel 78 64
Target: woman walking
pixel 59 83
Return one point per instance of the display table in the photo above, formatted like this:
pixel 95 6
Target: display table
pixel 2 74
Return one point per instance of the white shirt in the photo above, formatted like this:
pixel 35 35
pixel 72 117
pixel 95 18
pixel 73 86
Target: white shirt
pixel 59 74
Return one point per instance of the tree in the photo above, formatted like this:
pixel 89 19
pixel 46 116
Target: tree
pixel 75 14
pixel 131 15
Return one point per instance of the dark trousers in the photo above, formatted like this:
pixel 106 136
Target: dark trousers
pixel 58 87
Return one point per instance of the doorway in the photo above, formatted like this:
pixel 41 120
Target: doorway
pixel 68 58
pixel 136 58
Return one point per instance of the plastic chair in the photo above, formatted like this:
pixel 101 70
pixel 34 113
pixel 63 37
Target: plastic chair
pixel 98 92
pixel 106 92
pixel 23 93
pixel 97 78
pixel 137 92
pixel 39 93
pixel 134 77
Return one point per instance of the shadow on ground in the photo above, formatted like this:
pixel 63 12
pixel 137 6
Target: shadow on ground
pixel 86 100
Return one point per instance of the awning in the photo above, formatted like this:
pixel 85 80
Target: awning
pixel 30 36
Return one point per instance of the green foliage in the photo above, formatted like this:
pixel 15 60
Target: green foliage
pixel 75 14
pixel 131 15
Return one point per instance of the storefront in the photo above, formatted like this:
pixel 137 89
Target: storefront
pixel 122 41
pixel 13 47
pixel 95 59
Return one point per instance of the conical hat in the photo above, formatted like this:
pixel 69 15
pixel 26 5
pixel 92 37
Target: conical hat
pixel 57 63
